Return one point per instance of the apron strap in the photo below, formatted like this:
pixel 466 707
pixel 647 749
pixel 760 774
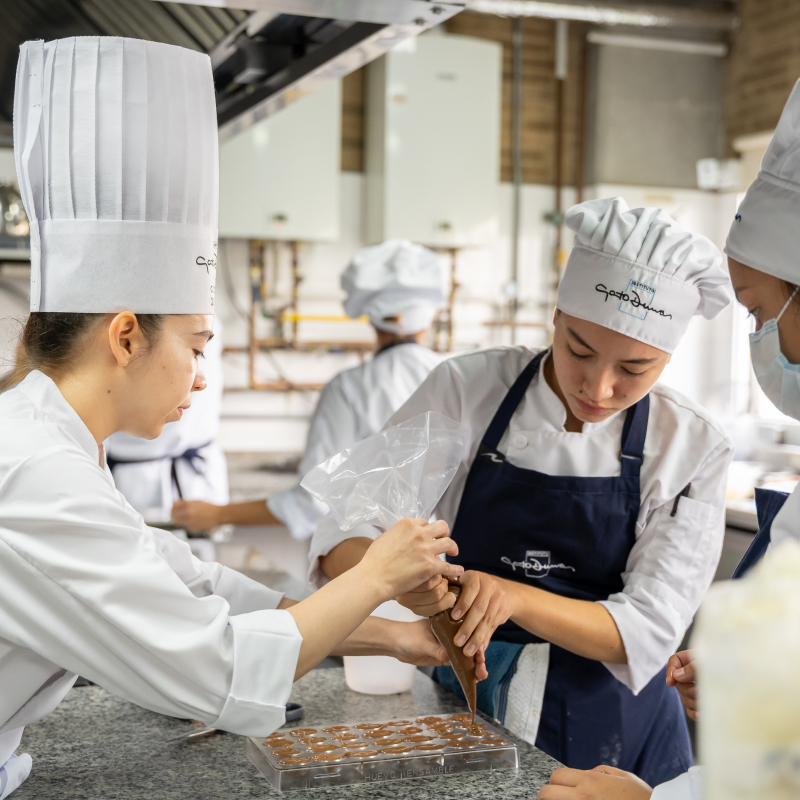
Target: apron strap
pixel 494 433
pixel 634 430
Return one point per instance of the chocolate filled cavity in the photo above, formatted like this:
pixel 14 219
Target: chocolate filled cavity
pixel 322 748
pixel 303 731
pixel 336 729
pixel 367 726
pixel 279 743
pixel 327 757
pixel 312 739
pixel 428 747
pixel 289 762
pixel 494 741
pixel 285 751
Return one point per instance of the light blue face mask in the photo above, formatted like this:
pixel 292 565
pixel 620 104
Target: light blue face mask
pixel 779 379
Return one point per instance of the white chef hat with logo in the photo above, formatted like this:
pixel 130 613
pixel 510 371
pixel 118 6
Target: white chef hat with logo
pixel 395 279
pixel 115 143
pixel 765 234
pixel 640 273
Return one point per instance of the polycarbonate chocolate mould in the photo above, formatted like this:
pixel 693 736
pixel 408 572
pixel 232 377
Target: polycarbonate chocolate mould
pixel 372 752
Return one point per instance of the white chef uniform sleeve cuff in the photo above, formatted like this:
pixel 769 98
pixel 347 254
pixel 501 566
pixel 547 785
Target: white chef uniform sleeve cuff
pixel 298 510
pixel 651 619
pixel 327 536
pixel 244 594
pixel 685 787
pixel 266 646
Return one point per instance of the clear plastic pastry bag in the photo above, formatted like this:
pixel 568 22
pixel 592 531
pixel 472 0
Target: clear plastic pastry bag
pixel 397 473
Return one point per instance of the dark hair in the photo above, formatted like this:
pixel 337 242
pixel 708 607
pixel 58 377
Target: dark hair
pixel 792 287
pixel 49 339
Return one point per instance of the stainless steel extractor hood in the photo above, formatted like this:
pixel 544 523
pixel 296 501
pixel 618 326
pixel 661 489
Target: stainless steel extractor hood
pixel 286 49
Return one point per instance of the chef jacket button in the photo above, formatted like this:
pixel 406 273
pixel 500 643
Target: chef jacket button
pixel 520 440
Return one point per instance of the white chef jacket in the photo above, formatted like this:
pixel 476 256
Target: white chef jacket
pixel 673 559
pixel 688 786
pixel 148 485
pixel 354 405
pixel 86 587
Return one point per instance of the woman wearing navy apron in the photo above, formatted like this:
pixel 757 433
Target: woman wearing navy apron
pixel 589 508
pixel 762 249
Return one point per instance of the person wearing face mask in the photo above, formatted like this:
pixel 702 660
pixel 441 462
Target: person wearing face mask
pixel 762 248
pixel 115 142
pixel 606 493
pixel 398 286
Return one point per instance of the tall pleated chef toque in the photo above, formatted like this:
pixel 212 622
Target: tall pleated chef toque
pixel 395 279
pixel 640 273
pixel 115 143
pixel 765 233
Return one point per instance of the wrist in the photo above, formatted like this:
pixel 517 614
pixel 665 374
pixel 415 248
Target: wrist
pixel 372 582
pixel 221 516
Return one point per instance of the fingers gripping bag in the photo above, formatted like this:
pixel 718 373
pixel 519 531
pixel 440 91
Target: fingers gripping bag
pixel 398 473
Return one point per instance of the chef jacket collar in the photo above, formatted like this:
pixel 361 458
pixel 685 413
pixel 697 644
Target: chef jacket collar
pixel 47 398
pixel 556 412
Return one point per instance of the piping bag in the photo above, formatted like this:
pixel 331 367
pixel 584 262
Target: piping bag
pixel 400 472
pixel 445 629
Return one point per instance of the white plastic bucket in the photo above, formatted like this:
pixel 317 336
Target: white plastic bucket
pixel 381 674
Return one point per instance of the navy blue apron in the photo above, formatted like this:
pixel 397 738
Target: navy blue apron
pixel 572 536
pixel 768 504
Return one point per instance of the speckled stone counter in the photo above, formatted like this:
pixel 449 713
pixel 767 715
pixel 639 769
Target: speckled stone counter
pixel 95 745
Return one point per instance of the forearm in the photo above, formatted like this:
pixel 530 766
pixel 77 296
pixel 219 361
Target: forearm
pixel 344 556
pixel 371 638
pixel 332 614
pixel 580 626
pixel 254 512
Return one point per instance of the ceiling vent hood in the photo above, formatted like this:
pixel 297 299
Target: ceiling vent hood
pixel 286 49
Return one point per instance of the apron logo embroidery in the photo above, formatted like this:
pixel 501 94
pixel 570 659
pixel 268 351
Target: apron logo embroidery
pixel 494 457
pixel 536 564
pixel 639 295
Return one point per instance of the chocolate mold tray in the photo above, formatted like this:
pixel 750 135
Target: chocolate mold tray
pixel 371 752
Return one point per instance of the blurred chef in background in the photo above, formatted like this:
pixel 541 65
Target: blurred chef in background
pixel 398 286
pixel 184 463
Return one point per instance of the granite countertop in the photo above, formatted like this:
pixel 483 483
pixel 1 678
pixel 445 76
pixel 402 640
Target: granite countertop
pixel 95 745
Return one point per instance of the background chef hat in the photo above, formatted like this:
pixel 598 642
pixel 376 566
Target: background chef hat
pixel 638 272
pixel 115 142
pixel 396 278
pixel 765 233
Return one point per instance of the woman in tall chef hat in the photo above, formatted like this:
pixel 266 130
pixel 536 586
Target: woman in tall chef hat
pixel 398 286
pixel 762 249
pixel 116 149
pixel 589 510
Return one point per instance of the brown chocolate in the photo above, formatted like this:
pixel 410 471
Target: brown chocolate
pixel 460 718
pixel 428 747
pixel 451 735
pixel 394 751
pixel 336 728
pixel 356 745
pixel 410 730
pixel 285 751
pixel 368 754
pixel 345 737
pixel 292 761
pixel 278 743
pixel 419 738
pixel 311 740
pixel 322 748
pixel 445 629
pixel 494 741
pixel 327 757
pixel 367 726
pixel 303 731
pixel 379 734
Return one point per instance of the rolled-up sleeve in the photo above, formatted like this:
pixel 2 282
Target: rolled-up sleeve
pixel 669 570
pixel 688 786
pixel 85 584
pixel 327 536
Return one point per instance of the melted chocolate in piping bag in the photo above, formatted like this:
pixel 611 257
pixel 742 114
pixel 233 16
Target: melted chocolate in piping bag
pixel 445 629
